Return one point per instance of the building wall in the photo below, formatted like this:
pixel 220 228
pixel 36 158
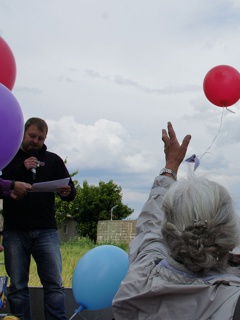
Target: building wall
pixel 68 230
pixel 116 231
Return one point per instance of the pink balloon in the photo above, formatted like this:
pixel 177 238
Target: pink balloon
pixel 7 65
pixel 221 85
pixel 11 126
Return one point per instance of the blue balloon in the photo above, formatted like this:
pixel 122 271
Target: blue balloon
pixel 97 276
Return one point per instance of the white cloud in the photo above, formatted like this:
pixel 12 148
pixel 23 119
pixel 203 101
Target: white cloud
pixel 105 144
pixel 108 75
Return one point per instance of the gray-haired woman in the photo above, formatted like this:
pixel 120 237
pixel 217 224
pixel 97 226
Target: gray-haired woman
pixel 179 260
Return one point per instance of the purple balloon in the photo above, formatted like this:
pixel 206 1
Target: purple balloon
pixel 11 126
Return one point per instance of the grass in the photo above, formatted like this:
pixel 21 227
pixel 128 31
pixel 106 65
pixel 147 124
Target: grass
pixel 71 253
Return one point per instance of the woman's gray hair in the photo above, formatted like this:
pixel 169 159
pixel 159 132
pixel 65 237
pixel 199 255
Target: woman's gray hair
pixel 200 226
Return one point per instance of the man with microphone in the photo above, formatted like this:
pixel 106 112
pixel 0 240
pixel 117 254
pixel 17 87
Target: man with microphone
pixel 30 227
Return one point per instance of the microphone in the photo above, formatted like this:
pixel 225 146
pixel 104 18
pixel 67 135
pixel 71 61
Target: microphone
pixel 34 153
pixel 34 173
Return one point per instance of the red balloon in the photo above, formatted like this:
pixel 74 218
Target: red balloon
pixel 7 65
pixel 221 85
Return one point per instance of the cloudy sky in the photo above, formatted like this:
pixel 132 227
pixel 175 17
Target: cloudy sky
pixel 107 75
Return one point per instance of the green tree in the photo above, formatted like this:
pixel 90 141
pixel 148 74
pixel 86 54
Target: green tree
pixel 93 203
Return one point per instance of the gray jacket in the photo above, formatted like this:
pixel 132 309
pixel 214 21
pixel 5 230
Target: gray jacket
pixel 159 288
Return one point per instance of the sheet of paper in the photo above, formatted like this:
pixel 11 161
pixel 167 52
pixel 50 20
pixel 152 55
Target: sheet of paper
pixel 49 186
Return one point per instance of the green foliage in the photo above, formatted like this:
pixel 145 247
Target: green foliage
pixel 79 242
pixel 124 246
pixel 71 251
pixel 92 204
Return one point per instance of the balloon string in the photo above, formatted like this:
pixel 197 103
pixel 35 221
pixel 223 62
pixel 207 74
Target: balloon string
pixel 76 314
pixel 219 129
pixel 73 315
pixel 77 311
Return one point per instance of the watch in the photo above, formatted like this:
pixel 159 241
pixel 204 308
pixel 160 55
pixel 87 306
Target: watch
pixel 172 173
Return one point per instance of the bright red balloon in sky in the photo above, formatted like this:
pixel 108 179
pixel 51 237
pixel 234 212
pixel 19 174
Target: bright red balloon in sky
pixel 221 85
pixel 7 65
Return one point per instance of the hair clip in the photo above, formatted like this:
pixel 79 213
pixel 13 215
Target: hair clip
pixel 195 222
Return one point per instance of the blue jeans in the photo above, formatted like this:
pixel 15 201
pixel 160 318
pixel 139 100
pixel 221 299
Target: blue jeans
pixel 43 246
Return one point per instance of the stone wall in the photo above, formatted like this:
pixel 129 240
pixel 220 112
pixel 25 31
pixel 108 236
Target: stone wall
pixel 116 231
